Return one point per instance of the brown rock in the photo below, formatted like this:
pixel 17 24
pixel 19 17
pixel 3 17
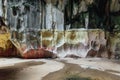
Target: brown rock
pixel 38 53
pixel 91 53
pixel 72 56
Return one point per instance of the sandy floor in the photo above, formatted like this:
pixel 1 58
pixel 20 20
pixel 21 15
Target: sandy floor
pixel 74 70
pixel 59 69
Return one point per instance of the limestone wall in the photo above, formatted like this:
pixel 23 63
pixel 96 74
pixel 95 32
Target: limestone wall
pixel 40 24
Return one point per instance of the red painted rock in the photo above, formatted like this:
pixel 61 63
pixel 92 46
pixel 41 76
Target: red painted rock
pixel 38 53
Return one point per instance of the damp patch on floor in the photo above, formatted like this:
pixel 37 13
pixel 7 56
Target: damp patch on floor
pixel 75 77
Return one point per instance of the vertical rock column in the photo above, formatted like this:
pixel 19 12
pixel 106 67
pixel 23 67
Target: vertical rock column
pixel 1 8
pixel 5 11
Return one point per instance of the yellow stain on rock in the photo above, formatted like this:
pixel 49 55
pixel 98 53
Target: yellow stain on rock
pixel 5 41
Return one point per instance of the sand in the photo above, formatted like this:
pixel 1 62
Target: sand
pixel 59 69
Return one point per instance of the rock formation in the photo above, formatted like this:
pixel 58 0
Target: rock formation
pixel 42 28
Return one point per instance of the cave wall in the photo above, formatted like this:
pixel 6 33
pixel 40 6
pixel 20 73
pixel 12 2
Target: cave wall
pixel 31 21
pixel 74 13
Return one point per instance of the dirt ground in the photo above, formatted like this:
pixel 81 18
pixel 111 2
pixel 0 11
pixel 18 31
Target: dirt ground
pixel 57 69
pixel 11 73
pixel 73 70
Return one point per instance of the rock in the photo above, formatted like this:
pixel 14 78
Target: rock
pixel 113 44
pixel 38 53
pixel 92 53
pixel 76 42
pixel 7 49
pixel 72 56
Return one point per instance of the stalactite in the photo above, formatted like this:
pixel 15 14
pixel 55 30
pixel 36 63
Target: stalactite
pixel 1 8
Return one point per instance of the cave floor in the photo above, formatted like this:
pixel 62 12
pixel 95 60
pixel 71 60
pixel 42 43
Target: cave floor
pixel 59 69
